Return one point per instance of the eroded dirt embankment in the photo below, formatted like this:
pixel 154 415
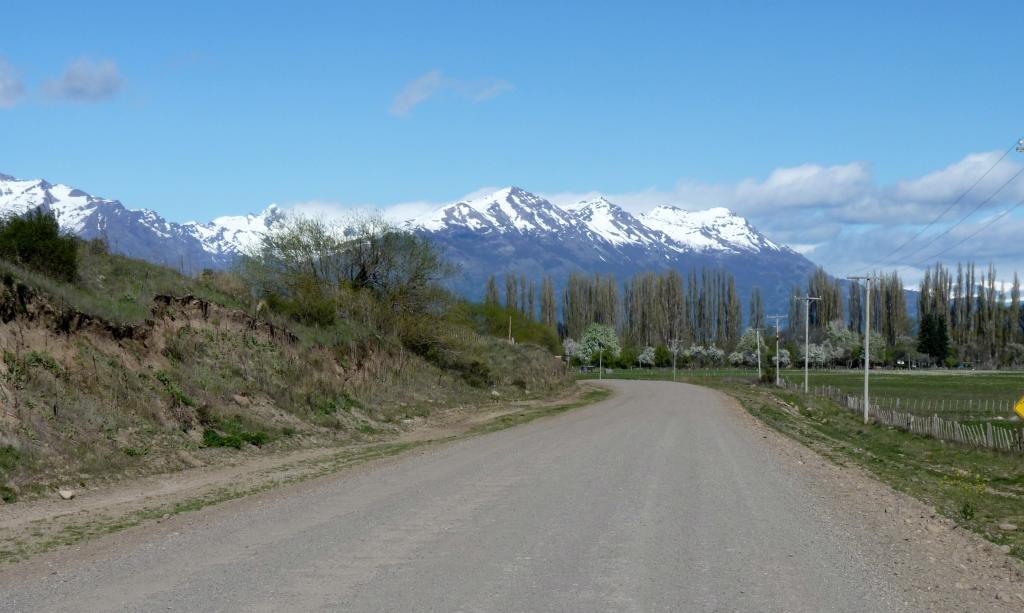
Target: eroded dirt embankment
pixel 85 401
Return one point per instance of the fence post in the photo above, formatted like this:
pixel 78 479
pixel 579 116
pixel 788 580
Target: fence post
pixel 988 434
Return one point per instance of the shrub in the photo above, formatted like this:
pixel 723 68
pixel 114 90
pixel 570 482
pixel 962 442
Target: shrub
pixel 35 241
pixel 9 457
pixel 178 397
pixel 231 433
pixel 493 320
pixel 212 438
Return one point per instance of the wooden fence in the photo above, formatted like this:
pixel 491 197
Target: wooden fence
pixel 983 434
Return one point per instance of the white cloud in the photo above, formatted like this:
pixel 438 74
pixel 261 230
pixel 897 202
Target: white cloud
pixel 492 90
pixel 425 86
pixel 11 86
pixel 946 185
pixel 86 80
pixel 416 91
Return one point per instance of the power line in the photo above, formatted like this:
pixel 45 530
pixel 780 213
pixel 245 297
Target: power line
pixel 964 218
pixel 972 235
pixel 931 223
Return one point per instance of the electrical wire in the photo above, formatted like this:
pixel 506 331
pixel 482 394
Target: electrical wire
pixel 964 218
pixel 971 235
pixel 885 259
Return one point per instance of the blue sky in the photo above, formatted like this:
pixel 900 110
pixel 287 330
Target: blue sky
pixel 204 109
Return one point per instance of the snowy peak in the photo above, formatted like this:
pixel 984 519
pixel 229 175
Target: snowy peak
pixel 508 210
pixel 714 229
pixel 514 211
pixel 137 232
pixel 72 207
pixel 234 234
pixel 613 223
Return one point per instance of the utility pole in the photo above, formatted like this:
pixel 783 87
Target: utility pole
pixel 757 331
pixel 867 338
pixel 778 364
pixel 674 346
pixel 807 340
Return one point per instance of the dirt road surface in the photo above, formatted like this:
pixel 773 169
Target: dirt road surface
pixel 666 497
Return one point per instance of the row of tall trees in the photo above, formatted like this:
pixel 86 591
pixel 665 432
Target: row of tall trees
pixel 521 297
pixel 982 320
pixel 651 310
pixel 966 316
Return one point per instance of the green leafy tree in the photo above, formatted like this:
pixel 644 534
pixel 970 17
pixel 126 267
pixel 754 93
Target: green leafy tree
pixel 35 241
pixel 932 337
pixel 662 356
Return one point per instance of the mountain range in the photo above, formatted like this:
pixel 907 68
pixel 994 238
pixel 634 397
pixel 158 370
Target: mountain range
pixel 508 231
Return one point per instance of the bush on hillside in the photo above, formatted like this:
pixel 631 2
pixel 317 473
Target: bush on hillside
pixel 35 241
pixel 493 320
pixel 308 268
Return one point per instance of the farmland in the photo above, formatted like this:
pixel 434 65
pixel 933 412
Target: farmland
pixel 967 393
pixel 982 394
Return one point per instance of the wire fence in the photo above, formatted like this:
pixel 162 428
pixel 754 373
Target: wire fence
pixel 997 434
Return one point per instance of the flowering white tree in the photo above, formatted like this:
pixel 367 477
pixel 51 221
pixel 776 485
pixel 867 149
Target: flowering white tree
pixel 705 356
pixel 817 354
pixel 646 357
pixel 746 350
pixel 598 338
pixel 570 348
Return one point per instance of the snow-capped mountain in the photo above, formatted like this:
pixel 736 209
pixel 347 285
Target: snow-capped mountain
pixel 615 225
pixel 140 233
pixel 508 231
pixel 514 211
pixel 514 231
pixel 507 210
pixel 715 229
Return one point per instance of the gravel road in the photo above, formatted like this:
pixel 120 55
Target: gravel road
pixel 662 498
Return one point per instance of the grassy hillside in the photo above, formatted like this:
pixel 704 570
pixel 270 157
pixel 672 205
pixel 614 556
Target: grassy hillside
pixel 133 368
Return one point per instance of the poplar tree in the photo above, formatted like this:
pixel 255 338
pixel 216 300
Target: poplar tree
pixel 756 315
pixel 491 295
pixel 511 293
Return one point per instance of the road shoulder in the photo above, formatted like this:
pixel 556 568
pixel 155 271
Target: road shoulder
pixel 938 565
pixel 36 533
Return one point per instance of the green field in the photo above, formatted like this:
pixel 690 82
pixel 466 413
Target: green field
pixel 983 393
pixel 965 393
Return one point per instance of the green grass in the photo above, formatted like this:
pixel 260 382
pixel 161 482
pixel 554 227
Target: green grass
pixel 665 374
pixel 116 288
pixel 232 433
pixel 930 391
pixel 967 393
pixel 979 489
pixel 9 457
